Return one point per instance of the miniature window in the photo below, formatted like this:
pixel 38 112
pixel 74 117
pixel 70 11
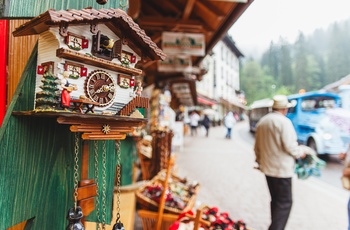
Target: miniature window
pixel 105 47
pixel 48 67
pixel 75 70
pixel 125 81
pixel 76 42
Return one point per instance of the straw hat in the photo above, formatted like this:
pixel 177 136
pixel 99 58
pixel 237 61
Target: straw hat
pixel 281 102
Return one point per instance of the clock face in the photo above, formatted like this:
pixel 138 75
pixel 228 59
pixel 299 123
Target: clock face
pixel 100 87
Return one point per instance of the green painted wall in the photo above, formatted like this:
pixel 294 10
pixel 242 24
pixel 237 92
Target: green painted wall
pixel 32 8
pixel 37 162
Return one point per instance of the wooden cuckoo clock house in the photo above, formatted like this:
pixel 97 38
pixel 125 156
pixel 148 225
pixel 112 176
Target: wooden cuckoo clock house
pixel 87 61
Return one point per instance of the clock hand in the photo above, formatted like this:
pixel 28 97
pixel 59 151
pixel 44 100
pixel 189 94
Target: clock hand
pixel 100 90
pixel 104 89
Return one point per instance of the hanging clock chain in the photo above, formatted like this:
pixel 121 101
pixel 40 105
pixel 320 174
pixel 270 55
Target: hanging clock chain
pixel 76 170
pixel 118 181
pixel 118 224
pixel 75 213
pixel 97 186
pixel 104 188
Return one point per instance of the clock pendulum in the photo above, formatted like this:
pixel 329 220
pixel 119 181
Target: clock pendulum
pixel 75 213
pixel 118 224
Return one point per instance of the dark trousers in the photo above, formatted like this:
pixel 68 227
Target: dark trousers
pixel 206 130
pixel 281 201
pixel 228 133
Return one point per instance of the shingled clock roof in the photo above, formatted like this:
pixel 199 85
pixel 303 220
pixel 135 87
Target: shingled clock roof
pixel 113 18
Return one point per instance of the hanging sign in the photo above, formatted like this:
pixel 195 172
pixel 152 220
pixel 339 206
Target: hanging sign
pixel 183 43
pixel 176 63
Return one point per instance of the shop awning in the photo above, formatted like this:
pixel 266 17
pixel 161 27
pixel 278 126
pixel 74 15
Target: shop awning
pixel 201 99
pixel 232 104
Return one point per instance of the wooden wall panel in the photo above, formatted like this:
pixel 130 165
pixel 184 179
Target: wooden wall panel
pixel 19 51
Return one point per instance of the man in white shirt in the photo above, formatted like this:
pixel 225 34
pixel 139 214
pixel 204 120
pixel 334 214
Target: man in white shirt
pixel 276 149
pixel 194 121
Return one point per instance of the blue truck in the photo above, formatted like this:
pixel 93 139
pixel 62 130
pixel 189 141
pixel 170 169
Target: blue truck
pixel 320 122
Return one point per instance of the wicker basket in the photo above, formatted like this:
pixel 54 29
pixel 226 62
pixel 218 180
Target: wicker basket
pixel 149 220
pixel 151 205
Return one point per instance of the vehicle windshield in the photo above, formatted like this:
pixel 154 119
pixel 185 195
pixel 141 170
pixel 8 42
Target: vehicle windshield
pixel 313 103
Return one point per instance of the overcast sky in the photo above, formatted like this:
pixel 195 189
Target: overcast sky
pixel 267 20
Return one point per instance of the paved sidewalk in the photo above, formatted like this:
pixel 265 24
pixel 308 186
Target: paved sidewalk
pixel 228 180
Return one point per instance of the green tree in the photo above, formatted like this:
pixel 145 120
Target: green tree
pixel 286 72
pixel 300 64
pixel 338 58
pixel 254 82
pixel 270 59
pixel 47 99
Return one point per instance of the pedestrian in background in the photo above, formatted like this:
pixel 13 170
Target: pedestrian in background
pixel 206 124
pixel 276 149
pixel 194 121
pixel 229 122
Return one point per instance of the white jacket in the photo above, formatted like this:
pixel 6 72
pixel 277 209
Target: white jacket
pixel 276 146
pixel 230 120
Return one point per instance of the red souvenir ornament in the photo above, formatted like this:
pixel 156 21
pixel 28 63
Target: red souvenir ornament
pixel 132 59
pixel 40 69
pixel 132 82
pixel 85 44
pixel 83 72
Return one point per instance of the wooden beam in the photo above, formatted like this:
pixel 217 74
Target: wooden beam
pixel 147 9
pixel 169 8
pixel 95 61
pixel 222 30
pixel 188 9
pixel 162 22
pixel 211 17
pixel 134 8
pixel 212 8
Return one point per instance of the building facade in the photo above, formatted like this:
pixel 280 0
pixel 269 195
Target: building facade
pixel 221 81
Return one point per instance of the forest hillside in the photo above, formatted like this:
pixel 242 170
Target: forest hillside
pixel 309 63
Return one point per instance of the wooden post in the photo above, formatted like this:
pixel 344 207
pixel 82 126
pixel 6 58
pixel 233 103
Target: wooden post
pixel 162 198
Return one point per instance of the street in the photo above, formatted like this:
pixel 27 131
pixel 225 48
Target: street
pixel 225 170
